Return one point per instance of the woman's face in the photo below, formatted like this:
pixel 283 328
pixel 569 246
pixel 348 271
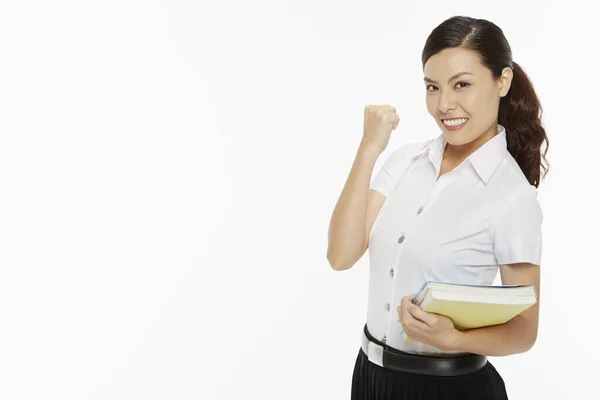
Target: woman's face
pixel 474 95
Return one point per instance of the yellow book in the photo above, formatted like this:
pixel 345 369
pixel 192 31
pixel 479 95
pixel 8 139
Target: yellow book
pixel 474 306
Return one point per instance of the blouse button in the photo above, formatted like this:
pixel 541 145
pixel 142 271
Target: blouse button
pixel 401 239
pixel 384 338
pixel 419 210
pixel 392 272
pixel 387 306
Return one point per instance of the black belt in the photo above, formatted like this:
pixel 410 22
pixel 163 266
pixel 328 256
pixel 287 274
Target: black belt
pixel 396 360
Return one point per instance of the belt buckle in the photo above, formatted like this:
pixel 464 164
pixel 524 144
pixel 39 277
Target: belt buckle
pixel 375 353
pixel 373 350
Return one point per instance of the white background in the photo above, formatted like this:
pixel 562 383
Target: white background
pixel 168 170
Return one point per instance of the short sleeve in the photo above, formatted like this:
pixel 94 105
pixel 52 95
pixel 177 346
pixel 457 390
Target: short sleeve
pixel 382 182
pixel 394 167
pixel 517 230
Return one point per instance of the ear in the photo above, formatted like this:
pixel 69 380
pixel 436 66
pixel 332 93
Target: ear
pixel 504 81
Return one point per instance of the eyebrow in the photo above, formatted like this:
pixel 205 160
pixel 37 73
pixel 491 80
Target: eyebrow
pixel 426 79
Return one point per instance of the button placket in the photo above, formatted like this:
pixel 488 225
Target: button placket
pixel 387 305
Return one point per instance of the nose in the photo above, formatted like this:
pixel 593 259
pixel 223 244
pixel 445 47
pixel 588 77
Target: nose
pixel 447 102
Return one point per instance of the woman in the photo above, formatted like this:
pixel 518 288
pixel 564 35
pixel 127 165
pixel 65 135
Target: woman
pixel 457 208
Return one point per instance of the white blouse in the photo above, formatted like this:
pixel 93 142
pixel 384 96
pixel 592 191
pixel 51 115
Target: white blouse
pixel 459 228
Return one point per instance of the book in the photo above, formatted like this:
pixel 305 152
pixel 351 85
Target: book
pixel 474 306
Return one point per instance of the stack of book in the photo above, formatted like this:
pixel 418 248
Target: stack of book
pixel 474 306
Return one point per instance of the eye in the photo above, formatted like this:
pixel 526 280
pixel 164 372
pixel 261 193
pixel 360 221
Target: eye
pixel 465 84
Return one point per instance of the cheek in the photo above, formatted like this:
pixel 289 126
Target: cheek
pixel 432 107
pixel 480 104
pixel 472 104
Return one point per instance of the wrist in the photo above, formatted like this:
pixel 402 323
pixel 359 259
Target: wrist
pixel 368 151
pixel 455 341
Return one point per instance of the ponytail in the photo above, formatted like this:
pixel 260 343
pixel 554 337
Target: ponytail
pixel 520 114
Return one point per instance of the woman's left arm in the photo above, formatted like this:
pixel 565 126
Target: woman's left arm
pixel 515 336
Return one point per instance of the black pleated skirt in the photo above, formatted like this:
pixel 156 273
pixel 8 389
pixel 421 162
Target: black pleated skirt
pixel 372 382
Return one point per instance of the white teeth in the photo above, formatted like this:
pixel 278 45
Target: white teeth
pixel 455 122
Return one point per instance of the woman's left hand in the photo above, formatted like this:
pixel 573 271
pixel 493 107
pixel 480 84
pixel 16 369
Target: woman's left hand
pixel 429 328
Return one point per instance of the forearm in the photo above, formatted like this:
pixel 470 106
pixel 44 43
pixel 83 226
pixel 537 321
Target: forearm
pixel 348 221
pixel 513 337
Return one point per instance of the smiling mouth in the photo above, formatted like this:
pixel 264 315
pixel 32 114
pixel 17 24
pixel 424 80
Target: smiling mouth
pixel 454 122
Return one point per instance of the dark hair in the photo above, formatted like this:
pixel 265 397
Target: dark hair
pixel 520 110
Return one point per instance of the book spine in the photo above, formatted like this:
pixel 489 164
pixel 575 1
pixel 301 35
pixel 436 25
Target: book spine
pixel 420 293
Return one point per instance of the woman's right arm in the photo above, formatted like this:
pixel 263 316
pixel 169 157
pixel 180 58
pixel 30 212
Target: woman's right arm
pixel 354 214
pixel 358 205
